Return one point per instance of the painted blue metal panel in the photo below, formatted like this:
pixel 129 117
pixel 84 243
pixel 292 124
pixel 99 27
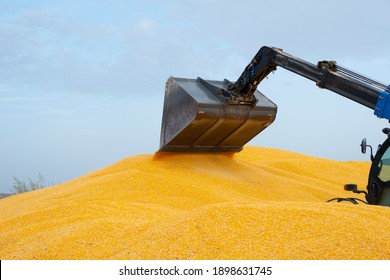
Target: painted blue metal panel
pixel 382 108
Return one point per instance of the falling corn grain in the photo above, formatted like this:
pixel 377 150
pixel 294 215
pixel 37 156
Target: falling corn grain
pixel 258 204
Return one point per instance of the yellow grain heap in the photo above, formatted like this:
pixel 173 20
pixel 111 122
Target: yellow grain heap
pixel 259 204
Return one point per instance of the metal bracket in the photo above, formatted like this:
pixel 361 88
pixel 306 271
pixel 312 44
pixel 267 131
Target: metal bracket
pixel 382 107
pixel 228 96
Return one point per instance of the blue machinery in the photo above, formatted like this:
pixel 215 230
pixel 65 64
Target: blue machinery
pixel 222 116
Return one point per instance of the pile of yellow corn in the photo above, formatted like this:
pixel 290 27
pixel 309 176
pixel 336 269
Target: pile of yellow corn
pixel 258 204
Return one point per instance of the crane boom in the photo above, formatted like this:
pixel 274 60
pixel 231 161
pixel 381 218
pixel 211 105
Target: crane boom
pixel 222 116
pixel 326 74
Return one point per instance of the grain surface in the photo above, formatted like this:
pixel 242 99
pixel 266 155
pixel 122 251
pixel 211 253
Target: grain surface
pixel 261 203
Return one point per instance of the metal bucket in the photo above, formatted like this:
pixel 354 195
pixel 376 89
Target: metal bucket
pixel 196 120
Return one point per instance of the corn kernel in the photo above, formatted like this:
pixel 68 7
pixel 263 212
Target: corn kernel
pixel 261 203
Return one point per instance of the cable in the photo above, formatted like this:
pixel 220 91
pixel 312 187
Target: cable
pixel 361 78
pixel 349 199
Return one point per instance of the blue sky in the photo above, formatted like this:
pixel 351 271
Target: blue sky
pixel 82 82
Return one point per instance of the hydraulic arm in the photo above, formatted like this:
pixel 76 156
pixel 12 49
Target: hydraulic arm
pixel 222 116
pixel 326 74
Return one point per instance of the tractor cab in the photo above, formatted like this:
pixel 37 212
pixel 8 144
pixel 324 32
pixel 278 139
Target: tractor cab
pixel 378 187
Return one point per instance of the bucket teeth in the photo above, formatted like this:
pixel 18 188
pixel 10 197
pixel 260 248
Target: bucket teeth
pixel 196 120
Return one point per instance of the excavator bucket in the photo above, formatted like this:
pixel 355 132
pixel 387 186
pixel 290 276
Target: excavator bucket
pixel 195 119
